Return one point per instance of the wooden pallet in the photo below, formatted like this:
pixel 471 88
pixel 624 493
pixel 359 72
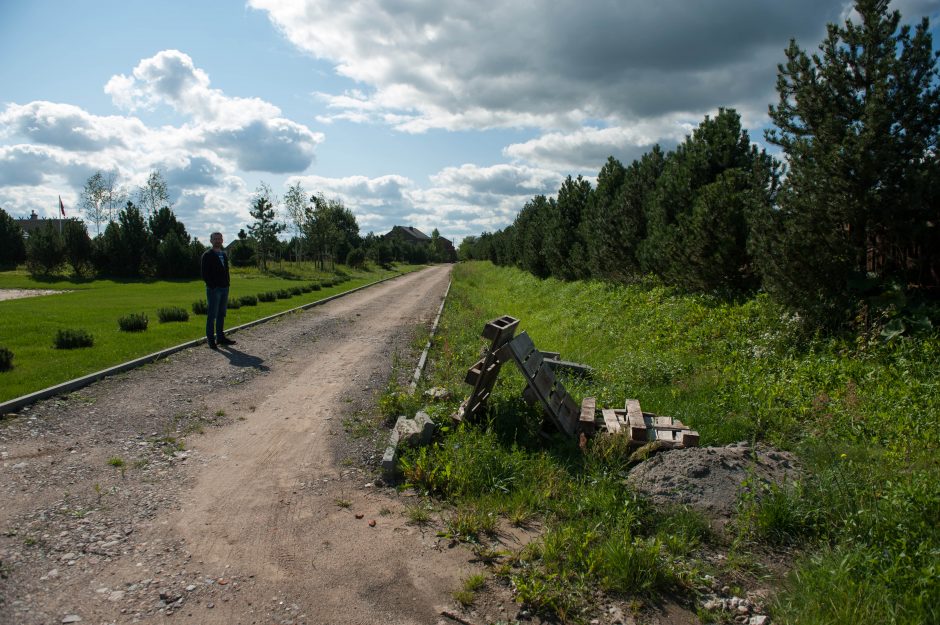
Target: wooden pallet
pixel 641 427
pixel 482 375
pixel 543 387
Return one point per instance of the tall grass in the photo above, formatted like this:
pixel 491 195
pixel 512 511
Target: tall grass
pixel 862 415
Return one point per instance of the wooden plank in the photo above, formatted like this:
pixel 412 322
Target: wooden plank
pixel 610 420
pixel 543 383
pixel 532 364
pixel 521 347
pixel 529 396
pixel 665 435
pixel 634 413
pixel 473 375
pixel 638 431
pixel 587 414
pixel 573 368
pixel 690 439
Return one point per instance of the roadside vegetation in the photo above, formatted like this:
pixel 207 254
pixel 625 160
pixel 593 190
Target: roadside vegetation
pixel 108 309
pixel 861 414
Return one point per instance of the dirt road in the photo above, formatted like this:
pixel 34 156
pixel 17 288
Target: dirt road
pixel 224 487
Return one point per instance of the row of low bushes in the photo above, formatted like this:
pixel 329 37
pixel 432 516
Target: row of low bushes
pixel 200 307
pixel 138 322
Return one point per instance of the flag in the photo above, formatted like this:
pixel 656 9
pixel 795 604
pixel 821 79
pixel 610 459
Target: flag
pixel 61 206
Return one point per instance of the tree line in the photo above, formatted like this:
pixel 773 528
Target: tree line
pixel 142 236
pixel 844 230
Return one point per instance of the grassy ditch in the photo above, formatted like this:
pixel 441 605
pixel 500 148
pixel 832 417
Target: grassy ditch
pixel 29 326
pixel 862 525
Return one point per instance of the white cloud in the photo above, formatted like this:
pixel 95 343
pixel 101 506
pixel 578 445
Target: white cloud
pixel 250 131
pixel 459 201
pixel 586 149
pixel 52 148
pixel 548 64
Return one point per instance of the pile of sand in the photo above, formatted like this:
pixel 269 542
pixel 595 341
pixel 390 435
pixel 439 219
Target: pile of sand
pixel 709 478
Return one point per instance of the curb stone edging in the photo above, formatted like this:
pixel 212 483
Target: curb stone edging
pixel 17 403
pixel 420 429
pixel 427 347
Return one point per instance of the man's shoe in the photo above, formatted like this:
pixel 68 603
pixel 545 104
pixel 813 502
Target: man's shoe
pixel 212 345
pixel 226 341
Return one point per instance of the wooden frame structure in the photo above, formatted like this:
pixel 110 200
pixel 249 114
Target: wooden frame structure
pixel 543 387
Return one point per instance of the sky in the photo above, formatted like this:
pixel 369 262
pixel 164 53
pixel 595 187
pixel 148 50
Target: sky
pixel 446 114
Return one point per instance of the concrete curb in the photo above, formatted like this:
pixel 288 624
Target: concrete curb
pixel 17 403
pixel 424 355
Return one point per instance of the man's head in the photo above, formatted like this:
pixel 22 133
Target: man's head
pixel 216 240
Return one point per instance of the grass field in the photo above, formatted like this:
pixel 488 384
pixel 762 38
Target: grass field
pixel 28 326
pixel 862 528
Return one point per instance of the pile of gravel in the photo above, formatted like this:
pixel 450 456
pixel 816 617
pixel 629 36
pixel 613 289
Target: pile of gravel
pixel 709 479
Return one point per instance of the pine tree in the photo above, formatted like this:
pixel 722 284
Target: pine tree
pixel 12 245
pixel 265 228
pixel 858 213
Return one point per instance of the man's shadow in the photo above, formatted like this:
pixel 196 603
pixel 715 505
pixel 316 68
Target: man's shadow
pixel 241 359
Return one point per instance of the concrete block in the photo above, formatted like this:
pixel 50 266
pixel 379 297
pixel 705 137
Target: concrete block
pixel 427 427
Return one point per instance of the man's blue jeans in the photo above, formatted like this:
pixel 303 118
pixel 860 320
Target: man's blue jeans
pixel 217 302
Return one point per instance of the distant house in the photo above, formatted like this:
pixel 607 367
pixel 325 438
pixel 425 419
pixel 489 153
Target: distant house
pixel 35 223
pixel 410 234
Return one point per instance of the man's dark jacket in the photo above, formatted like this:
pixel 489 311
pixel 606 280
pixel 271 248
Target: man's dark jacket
pixel 214 272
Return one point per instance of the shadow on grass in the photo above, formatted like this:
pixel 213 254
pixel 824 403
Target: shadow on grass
pixel 241 359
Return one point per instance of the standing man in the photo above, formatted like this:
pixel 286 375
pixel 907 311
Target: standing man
pixel 215 274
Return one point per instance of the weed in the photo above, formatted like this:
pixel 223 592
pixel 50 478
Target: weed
pixel 267 296
pixel 467 593
pixel 464 597
pixel 200 307
pixel 248 300
pixel 343 503
pixel 470 523
pixel 118 463
pixel 418 514
pixel 220 412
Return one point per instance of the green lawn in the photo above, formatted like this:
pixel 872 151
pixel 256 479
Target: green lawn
pixel 28 326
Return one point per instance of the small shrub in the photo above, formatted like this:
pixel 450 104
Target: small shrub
pixel 172 313
pixel 200 307
pixel 6 359
pixel 315 286
pixel 296 290
pixel 267 296
pixel 134 322
pixel 248 300
pixel 327 284
pixel 306 288
pixel 234 304
pixel 283 294
pixel 71 339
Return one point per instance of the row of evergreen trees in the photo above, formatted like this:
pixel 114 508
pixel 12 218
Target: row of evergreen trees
pixel 131 246
pixel 850 226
